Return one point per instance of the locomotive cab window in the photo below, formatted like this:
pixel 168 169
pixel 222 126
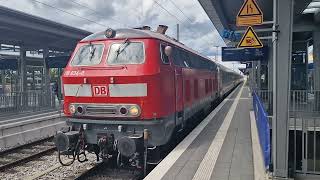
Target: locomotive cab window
pixel 164 57
pixel 88 55
pixel 126 53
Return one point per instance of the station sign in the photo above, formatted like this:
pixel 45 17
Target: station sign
pixel 250 40
pixel 244 54
pixel 231 35
pixel 249 14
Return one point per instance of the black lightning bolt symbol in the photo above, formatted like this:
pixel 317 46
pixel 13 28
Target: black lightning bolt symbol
pixel 251 8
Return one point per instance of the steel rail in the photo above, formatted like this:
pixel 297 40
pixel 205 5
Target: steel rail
pixel 19 161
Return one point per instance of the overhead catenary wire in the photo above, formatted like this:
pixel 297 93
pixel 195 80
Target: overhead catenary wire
pixel 103 25
pixel 66 12
pixel 96 12
pixel 175 5
pixel 182 23
pixel 162 7
pixel 168 12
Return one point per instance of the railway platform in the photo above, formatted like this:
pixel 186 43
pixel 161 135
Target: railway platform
pixel 23 128
pixel 221 147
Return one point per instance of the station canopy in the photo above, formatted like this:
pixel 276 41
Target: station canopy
pixel 223 15
pixel 18 28
pixel 52 62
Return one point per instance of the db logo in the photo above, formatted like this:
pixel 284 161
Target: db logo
pixel 100 90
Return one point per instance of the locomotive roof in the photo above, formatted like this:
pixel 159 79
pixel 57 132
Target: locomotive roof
pixel 138 33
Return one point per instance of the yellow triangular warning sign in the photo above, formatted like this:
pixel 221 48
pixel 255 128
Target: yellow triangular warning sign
pixel 250 40
pixel 250 8
pixel 249 14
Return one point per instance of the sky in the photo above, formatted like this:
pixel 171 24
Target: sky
pixel 196 29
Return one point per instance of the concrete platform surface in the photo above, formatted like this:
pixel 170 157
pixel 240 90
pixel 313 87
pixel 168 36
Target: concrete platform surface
pixel 219 148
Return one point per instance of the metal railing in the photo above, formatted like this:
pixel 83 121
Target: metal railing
pixel 305 102
pixel 266 99
pixel 27 101
pixel 263 128
pixel 304 144
pixel 304 128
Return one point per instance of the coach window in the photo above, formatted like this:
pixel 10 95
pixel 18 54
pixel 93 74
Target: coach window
pixel 176 58
pixel 186 60
pixel 164 57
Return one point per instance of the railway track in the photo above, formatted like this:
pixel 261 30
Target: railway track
pixel 105 171
pixel 23 154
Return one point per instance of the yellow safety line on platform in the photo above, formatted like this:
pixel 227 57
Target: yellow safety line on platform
pixel 208 163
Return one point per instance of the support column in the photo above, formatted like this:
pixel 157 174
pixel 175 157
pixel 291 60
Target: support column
pixel 46 73
pixel 22 99
pixel 46 80
pixel 270 80
pixel 316 68
pixel 3 80
pixel 22 70
pixel 254 74
pixel 282 49
pixel 259 75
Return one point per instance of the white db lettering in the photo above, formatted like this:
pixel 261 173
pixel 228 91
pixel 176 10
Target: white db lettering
pixel 103 91
pixel 96 90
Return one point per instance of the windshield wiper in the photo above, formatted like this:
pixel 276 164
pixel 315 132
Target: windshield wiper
pixel 92 51
pixel 122 47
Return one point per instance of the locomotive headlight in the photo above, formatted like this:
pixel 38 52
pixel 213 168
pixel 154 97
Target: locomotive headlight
pixel 80 110
pixel 134 111
pixel 72 109
pixel 110 33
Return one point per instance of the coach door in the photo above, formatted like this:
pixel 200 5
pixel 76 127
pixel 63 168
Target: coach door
pixel 219 81
pixel 179 95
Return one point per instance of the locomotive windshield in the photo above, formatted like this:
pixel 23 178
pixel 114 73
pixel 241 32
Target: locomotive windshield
pixel 88 55
pixel 126 53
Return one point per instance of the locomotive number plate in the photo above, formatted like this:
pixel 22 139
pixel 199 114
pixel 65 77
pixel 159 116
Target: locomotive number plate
pixel 100 90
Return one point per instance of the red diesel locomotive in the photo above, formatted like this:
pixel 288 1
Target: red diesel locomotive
pixel 128 90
